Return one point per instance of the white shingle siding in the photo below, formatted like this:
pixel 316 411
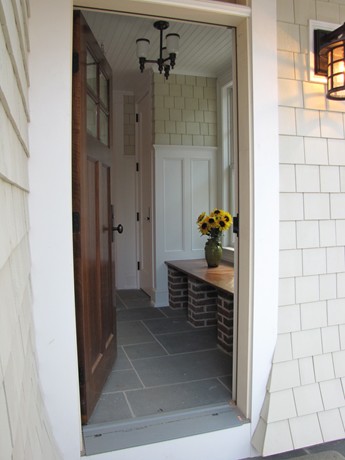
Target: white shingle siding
pixel 305 401
pixel 23 423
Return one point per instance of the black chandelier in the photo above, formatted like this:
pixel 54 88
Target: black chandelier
pixel 167 54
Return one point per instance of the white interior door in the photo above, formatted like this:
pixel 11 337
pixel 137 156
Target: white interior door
pixel 185 186
pixel 145 200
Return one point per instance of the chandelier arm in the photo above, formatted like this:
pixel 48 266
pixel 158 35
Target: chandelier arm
pixel 160 60
pixel 164 63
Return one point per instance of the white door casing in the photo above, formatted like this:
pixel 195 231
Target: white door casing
pixel 145 195
pixel 55 338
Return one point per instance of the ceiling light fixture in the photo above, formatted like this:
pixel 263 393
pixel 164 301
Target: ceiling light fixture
pixel 329 51
pixel 167 54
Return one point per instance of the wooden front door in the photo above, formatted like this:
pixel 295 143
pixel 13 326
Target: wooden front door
pixel 92 217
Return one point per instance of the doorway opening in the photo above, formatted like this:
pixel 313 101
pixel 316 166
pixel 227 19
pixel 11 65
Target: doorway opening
pixel 135 203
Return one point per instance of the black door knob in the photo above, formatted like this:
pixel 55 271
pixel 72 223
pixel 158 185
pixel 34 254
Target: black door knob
pixel 119 228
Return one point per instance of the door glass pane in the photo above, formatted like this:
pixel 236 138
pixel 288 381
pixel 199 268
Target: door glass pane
pixel 91 72
pixel 104 127
pixel 91 118
pixel 103 90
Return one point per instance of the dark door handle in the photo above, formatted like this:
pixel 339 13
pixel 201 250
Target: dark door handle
pixel 119 228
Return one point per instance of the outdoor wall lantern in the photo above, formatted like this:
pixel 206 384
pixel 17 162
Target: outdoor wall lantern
pixel 329 51
pixel 167 54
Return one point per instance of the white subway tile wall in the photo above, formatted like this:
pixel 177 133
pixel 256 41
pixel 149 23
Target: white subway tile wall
pixel 305 402
pixel 25 430
pixel 184 110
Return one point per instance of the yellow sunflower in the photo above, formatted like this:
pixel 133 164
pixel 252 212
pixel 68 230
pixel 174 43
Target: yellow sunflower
pixel 215 223
pixel 201 217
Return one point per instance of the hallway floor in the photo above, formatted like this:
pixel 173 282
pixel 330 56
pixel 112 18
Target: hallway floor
pixel 164 364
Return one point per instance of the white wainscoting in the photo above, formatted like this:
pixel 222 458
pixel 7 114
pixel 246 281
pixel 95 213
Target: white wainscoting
pixel 185 186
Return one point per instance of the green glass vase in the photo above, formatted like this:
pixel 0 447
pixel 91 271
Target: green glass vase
pixel 213 252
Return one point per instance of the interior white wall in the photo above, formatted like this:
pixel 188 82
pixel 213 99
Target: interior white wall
pixel 50 216
pixel 125 191
pixel 124 200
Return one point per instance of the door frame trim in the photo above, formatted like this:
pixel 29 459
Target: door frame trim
pixel 216 12
pixel 225 15
pixel 50 201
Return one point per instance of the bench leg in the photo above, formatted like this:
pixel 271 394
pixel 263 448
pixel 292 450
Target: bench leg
pixel 202 304
pixel 225 315
pixel 178 289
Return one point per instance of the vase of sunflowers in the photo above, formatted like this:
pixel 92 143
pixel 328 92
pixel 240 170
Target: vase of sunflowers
pixel 214 225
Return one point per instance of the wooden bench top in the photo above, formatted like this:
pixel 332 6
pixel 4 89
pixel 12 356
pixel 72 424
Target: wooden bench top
pixel 221 277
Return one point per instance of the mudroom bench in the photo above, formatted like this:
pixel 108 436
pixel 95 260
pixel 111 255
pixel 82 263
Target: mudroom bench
pixel 206 293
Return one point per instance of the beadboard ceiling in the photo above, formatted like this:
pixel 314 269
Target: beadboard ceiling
pixel 204 50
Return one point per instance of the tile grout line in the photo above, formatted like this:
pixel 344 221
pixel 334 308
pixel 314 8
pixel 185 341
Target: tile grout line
pixel 178 383
pixel 129 405
pixel 222 383
pixel 155 338
pixel 131 363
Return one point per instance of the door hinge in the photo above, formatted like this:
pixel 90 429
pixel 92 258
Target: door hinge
pixel 236 224
pixel 138 265
pixel 138 217
pixel 76 222
pixel 75 62
pixel 137 117
pixel 137 167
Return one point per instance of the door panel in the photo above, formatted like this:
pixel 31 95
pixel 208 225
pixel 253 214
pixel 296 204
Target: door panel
pixel 91 163
pixel 105 231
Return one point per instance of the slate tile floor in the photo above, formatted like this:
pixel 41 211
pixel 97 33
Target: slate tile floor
pixel 164 364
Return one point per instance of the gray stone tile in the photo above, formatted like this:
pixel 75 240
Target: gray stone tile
pixel 227 381
pixel 335 450
pixel 137 303
pixel 134 298
pixel 177 397
pixel 110 408
pixel 132 332
pixel 176 373
pixel 121 362
pixel 121 381
pixel 305 454
pixel 131 294
pixel 195 340
pixel 145 350
pixel 157 428
pixel 138 314
pixel 182 367
pixel 174 312
pixel 119 305
pixel 168 325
